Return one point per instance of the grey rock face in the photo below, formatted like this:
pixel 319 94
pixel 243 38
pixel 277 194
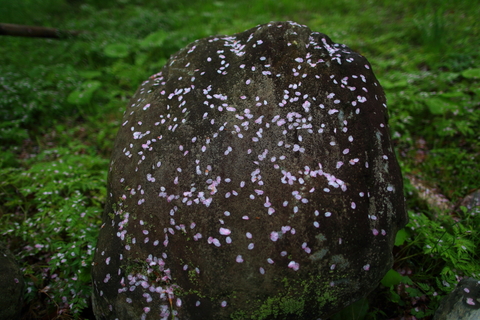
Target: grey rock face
pixel 12 284
pixel 463 303
pixel 472 202
pixel 252 178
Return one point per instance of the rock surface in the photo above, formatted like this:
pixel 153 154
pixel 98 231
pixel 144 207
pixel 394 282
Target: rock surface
pixel 472 202
pixel 252 178
pixel 12 284
pixel 463 303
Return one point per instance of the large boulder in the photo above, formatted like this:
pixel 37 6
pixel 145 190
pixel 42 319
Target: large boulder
pixel 252 178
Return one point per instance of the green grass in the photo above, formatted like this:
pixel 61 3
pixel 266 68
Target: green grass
pixel 61 103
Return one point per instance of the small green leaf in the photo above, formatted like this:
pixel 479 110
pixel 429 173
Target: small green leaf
pixel 395 297
pixel 392 278
pixel 448 76
pixel 396 84
pixel 357 310
pixel 141 59
pixel 84 94
pixel 116 50
pixel 401 237
pixel 438 106
pixel 407 280
pixel 471 73
pixel 155 39
pixel 90 74
pixel 455 94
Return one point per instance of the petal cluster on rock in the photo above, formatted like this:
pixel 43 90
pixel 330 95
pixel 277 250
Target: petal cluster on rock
pixel 254 176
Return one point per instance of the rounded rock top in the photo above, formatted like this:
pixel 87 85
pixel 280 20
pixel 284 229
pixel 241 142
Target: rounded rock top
pixel 253 177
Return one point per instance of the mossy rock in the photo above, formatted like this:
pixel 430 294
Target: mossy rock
pixel 252 178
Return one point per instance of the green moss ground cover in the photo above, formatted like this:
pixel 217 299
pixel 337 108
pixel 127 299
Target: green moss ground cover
pixel 61 102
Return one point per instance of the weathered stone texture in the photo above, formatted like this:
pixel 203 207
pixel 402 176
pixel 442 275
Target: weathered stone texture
pixel 463 303
pixel 253 177
pixel 12 284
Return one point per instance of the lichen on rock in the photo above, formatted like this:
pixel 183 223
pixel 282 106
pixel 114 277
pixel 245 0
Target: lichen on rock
pixel 253 177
